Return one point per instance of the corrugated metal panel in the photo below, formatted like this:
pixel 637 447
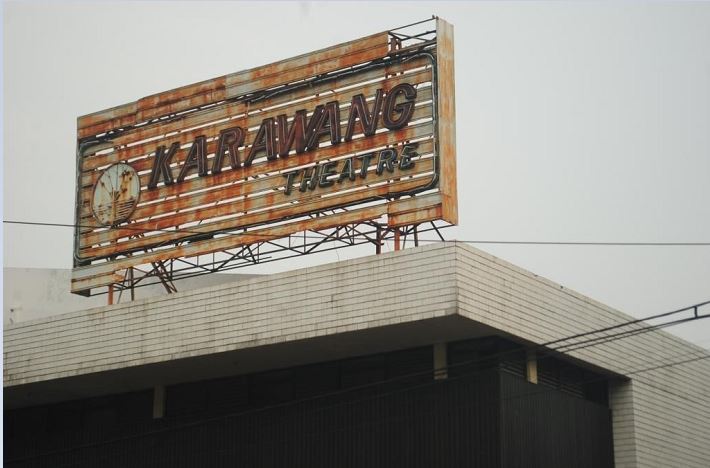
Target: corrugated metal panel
pixel 447 119
pixel 206 201
pixel 217 89
pixel 482 418
pixel 212 197
pixel 441 424
pixel 544 428
pixel 449 423
pixel 97 275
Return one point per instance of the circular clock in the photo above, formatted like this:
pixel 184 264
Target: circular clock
pixel 116 194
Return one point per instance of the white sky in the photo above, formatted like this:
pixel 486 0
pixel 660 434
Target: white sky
pixel 575 122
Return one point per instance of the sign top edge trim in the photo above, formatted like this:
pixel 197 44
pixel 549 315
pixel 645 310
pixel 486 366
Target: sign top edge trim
pixel 131 107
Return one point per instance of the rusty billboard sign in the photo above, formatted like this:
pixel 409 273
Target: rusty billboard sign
pixel 353 133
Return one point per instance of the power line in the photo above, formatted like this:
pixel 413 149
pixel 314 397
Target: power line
pixel 689 308
pixel 268 238
pixel 481 241
pixel 670 364
pixel 518 242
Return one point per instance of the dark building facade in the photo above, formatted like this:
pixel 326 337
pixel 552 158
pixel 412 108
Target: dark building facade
pixel 383 410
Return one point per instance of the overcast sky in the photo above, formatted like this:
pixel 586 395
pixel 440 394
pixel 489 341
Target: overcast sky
pixel 575 122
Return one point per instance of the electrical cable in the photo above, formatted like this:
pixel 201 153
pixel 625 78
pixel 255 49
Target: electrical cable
pixel 511 242
pixel 205 269
pixel 624 334
pixel 580 243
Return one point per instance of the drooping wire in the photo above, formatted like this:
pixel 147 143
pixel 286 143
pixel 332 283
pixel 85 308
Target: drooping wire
pixel 474 241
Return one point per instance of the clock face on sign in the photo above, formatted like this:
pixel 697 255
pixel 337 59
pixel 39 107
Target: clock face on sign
pixel 116 194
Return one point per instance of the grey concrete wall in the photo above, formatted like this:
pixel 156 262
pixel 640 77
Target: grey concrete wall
pixel 661 417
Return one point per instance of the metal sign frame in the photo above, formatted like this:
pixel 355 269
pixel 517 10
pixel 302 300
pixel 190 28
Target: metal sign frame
pixel 351 144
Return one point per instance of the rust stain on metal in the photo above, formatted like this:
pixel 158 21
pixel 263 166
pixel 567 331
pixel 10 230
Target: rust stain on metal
pixel 241 163
pixel 89 179
pixel 447 119
pixel 305 206
pixel 115 194
pixel 143 149
pixel 374 46
pixel 381 139
pixel 225 187
pixel 103 270
pixel 276 195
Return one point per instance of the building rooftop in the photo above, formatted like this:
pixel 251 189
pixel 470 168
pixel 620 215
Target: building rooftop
pixel 418 296
pixel 35 293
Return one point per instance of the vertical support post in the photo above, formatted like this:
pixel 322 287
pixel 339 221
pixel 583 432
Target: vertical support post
pixel 110 294
pixel 416 236
pixel 395 43
pixel 158 401
pixel 396 239
pixel 378 247
pixel 440 362
pixel 531 366
pixel 133 291
pixel 446 120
